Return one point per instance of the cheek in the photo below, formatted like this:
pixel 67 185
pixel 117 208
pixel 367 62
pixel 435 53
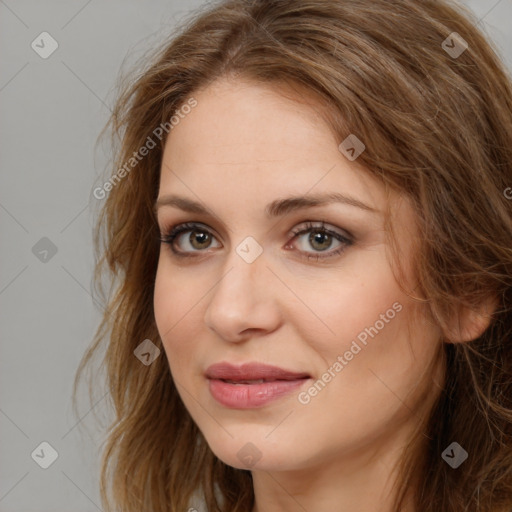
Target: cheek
pixel 376 385
pixel 176 308
pixel 384 361
pixel 377 330
pixel 176 294
pixel 343 305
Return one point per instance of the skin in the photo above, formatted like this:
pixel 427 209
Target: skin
pixel 243 146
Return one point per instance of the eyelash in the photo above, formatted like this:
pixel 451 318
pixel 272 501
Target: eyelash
pixel 174 232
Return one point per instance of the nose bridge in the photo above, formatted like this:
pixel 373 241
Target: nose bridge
pixel 241 299
pixel 245 265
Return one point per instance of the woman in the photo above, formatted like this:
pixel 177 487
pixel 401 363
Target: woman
pixel 310 237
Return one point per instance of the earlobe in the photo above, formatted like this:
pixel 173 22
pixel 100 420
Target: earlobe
pixel 469 324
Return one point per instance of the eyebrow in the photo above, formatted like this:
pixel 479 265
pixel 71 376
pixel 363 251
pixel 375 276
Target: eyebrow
pixel 276 208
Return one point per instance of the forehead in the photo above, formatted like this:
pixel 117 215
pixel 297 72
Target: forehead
pixel 242 118
pixel 259 138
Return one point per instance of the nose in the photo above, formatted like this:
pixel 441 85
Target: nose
pixel 244 301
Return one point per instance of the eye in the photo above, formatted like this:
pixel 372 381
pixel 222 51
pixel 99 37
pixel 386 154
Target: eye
pixel 320 239
pixel 200 238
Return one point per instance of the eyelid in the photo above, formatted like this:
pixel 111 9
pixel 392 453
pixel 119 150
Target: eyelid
pixel 322 226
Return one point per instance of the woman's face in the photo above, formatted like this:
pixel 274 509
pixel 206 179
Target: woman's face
pixel 259 280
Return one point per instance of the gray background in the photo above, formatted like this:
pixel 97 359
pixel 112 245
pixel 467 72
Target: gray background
pixel 52 111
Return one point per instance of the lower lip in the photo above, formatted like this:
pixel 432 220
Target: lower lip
pixel 248 396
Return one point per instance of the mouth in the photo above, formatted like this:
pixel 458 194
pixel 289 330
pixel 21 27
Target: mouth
pixel 250 373
pixel 251 385
pixel 257 381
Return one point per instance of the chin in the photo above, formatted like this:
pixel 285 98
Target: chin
pixel 242 453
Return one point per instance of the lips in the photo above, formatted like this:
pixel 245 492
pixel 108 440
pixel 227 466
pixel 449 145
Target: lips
pixel 252 385
pixel 251 373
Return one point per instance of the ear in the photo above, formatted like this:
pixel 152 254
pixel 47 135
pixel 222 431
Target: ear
pixel 469 324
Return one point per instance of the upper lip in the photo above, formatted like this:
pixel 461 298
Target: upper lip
pixel 251 371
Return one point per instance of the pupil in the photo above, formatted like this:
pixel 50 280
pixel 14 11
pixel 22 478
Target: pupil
pixel 320 237
pixel 201 237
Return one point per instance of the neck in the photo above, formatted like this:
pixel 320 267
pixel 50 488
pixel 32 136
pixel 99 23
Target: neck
pixel 361 480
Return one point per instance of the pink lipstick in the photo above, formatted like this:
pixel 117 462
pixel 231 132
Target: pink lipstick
pixel 251 385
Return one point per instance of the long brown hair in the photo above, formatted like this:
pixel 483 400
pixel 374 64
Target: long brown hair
pixel 437 126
